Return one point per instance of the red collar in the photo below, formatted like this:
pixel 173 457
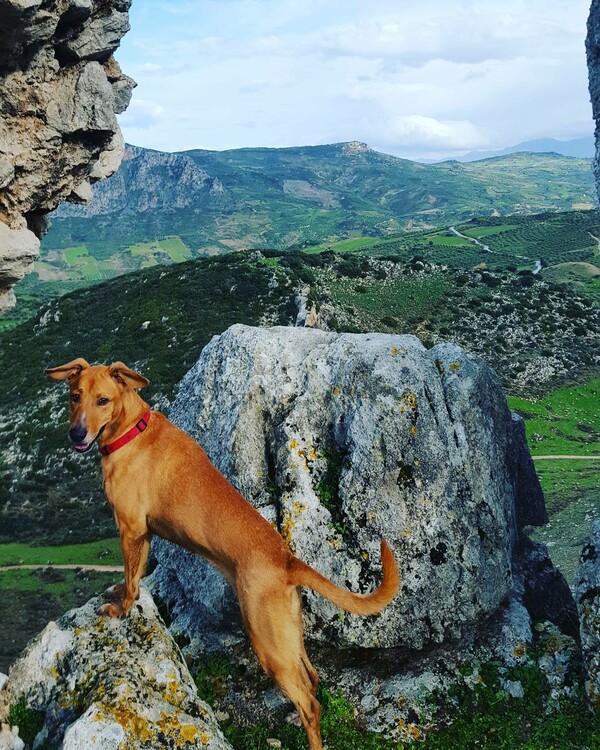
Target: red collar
pixel 106 450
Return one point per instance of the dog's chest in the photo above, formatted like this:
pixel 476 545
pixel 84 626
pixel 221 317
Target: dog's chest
pixel 118 490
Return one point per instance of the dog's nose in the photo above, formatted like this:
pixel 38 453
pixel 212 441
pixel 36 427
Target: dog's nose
pixel 77 434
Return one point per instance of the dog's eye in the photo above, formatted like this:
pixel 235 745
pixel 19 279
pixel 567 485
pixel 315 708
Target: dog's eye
pixel 102 401
pixel 75 397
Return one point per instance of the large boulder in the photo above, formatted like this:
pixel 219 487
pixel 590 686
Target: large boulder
pixel 340 439
pixel 60 91
pixel 99 683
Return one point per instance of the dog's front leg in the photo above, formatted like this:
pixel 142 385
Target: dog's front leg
pixel 135 549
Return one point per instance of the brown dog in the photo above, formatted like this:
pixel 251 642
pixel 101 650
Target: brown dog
pixel 159 481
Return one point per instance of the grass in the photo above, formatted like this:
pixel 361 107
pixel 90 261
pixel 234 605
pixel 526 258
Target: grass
pixel 567 422
pixel 564 478
pixel 173 246
pixel 403 301
pixel 479 232
pixel 72 254
pixel 485 717
pixel 46 581
pixel 584 277
pixel 104 552
pixel 447 239
pixel 344 246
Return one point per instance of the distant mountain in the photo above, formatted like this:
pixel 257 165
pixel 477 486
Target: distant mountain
pixel 216 201
pixel 578 148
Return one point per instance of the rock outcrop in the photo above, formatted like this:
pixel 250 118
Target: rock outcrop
pixel 153 181
pixel 340 439
pixel 100 683
pixel 60 88
pixel 587 597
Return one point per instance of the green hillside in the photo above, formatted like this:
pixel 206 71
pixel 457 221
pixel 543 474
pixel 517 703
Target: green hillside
pixel 565 244
pixel 216 201
pixel 537 334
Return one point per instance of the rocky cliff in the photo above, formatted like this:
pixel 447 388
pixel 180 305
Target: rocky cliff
pixel 60 89
pixel 592 46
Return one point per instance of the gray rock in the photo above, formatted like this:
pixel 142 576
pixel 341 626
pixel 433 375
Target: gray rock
pixel 587 596
pixel 546 593
pixel 18 250
pixel 9 738
pixel 154 181
pixel 99 39
pixel 340 439
pixel 60 88
pixel 111 684
pixel 592 46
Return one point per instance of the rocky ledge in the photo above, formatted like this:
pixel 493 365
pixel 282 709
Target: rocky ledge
pixel 60 89
pixel 92 682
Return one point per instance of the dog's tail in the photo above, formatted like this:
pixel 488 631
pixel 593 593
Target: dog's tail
pixel 302 574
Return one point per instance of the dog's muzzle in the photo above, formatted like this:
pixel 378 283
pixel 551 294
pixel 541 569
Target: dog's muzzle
pixel 77 436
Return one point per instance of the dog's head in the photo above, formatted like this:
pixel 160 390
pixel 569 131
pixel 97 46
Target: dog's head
pixel 96 397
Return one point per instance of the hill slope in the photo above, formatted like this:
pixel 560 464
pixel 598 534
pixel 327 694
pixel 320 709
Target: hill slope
pixel 215 201
pixel 537 335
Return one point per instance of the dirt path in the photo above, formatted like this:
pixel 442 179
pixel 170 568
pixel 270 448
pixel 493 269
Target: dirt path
pixel 99 568
pixel 582 458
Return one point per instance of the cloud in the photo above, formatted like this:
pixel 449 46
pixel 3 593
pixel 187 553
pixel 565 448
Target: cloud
pixel 147 69
pixel 429 133
pixel 142 114
pixel 432 78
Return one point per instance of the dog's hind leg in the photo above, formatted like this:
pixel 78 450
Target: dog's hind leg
pixel 274 623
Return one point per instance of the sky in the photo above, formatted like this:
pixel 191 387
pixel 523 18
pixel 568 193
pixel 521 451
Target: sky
pixel 421 79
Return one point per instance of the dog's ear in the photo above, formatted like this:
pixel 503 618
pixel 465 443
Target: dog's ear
pixel 64 372
pixel 123 374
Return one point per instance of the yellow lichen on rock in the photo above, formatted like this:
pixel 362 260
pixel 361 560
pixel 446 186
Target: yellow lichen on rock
pixel 409 398
pixel 290 519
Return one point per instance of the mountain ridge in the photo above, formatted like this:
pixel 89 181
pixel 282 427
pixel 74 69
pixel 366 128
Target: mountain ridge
pixel 577 148
pixel 218 201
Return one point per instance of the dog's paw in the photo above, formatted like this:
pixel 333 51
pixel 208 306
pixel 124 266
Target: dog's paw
pixel 294 718
pixel 112 610
pixel 114 593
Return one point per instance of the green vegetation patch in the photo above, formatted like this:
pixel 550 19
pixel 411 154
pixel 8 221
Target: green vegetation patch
pixel 73 254
pixel 172 246
pixel 103 552
pixel 479 232
pixel 401 302
pixel 37 596
pixel 343 246
pixel 29 721
pixel 483 717
pixel 447 239
pixel 566 422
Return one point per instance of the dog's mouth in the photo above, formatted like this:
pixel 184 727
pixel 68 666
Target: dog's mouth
pixel 85 447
